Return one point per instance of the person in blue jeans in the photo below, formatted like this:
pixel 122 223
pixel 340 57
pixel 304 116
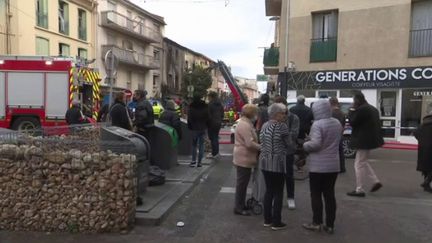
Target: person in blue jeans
pixel 198 119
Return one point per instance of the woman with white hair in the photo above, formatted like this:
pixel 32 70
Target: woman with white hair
pixel 275 141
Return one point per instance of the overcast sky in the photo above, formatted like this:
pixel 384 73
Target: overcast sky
pixel 233 33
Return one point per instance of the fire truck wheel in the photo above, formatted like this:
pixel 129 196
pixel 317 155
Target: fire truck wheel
pixel 26 124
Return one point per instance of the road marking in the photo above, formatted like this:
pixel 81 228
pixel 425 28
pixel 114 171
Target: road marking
pixel 392 200
pixel 231 190
pixel 391 161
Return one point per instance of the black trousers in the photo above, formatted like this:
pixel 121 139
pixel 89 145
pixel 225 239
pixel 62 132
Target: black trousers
pixel 243 177
pixel 273 197
pixel 289 177
pixel 342 158
pixel 323 185
pixel 213 133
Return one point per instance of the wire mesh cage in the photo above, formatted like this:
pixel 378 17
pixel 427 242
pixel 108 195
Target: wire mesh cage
pixel 67 179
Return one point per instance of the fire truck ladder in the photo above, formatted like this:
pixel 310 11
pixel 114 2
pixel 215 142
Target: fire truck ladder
pixel 232 84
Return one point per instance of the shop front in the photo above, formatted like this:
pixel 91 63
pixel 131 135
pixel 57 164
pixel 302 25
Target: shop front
pixel 403 96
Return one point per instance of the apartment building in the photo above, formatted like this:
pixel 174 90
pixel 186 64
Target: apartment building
pixel 193 59
pixel 249 87
pixel 383 48
pixel 178 59
pixel 135 37
pixel 48 27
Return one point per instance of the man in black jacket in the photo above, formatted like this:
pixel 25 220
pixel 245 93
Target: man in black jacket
pixel 216 114
pixel 424 155
pixel 305 115
pixel 144 116
pixel 198 118
pixel 366 135
pixel 74 115
pixel 119 113
pixel 263 116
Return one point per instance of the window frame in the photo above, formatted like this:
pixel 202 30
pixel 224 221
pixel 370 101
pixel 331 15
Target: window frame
pixel 324 48
pixel 41 23
pixel 83 49
pixel 65 16
pixel 48 42
pixel 82 25
pixel 60 49
pixel 414 44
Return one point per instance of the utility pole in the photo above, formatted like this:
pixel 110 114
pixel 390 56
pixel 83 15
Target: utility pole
pixel 111 63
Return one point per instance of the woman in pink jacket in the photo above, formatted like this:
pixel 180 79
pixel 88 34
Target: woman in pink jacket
pixel 245 155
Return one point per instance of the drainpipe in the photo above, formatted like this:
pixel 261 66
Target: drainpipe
pixel 8 28
pixel 286 32
pixel 95 31
pixel 284 85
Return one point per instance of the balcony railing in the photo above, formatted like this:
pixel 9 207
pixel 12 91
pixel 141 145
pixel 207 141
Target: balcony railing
pixel 323 50
pixel 271 57
pixel 131 57
pixel 121 23
pixel 421 43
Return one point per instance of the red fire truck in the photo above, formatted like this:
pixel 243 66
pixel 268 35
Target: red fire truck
pixel 36 91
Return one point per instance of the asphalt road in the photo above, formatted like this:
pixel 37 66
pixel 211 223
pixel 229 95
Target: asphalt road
pixel 400 212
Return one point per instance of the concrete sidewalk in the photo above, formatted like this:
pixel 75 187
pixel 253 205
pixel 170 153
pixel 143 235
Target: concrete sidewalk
pixel 159 200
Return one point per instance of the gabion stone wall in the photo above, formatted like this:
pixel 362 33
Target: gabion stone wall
pixel 49 186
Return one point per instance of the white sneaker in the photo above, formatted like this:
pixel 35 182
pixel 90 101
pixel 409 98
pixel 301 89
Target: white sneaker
pixel 210 156
pixel 291 204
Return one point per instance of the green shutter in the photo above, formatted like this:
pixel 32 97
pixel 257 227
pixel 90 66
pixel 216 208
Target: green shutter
pixel 323 50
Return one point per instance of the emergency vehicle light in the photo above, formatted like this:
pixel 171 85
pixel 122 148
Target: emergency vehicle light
pixel 49 62
pixel 1 62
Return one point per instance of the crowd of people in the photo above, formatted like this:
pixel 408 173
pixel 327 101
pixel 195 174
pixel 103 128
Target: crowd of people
pixel 269 137
pixel 271 140
pixel 138 116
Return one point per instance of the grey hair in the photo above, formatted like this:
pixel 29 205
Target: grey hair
pixel 301 98
pixel 276 108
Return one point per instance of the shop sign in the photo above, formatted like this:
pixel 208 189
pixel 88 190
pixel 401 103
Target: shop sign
pixel 422 93
pixel 410 77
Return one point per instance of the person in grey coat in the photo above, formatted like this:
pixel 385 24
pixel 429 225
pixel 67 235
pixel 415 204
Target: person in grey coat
pixel 324 166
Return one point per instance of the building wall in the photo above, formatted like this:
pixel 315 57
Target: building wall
pixel 249 87
pixel 173 67
pixel 142 78
pixel 3 27
pixel 218 80
pixel 370 34
pixel 24 29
